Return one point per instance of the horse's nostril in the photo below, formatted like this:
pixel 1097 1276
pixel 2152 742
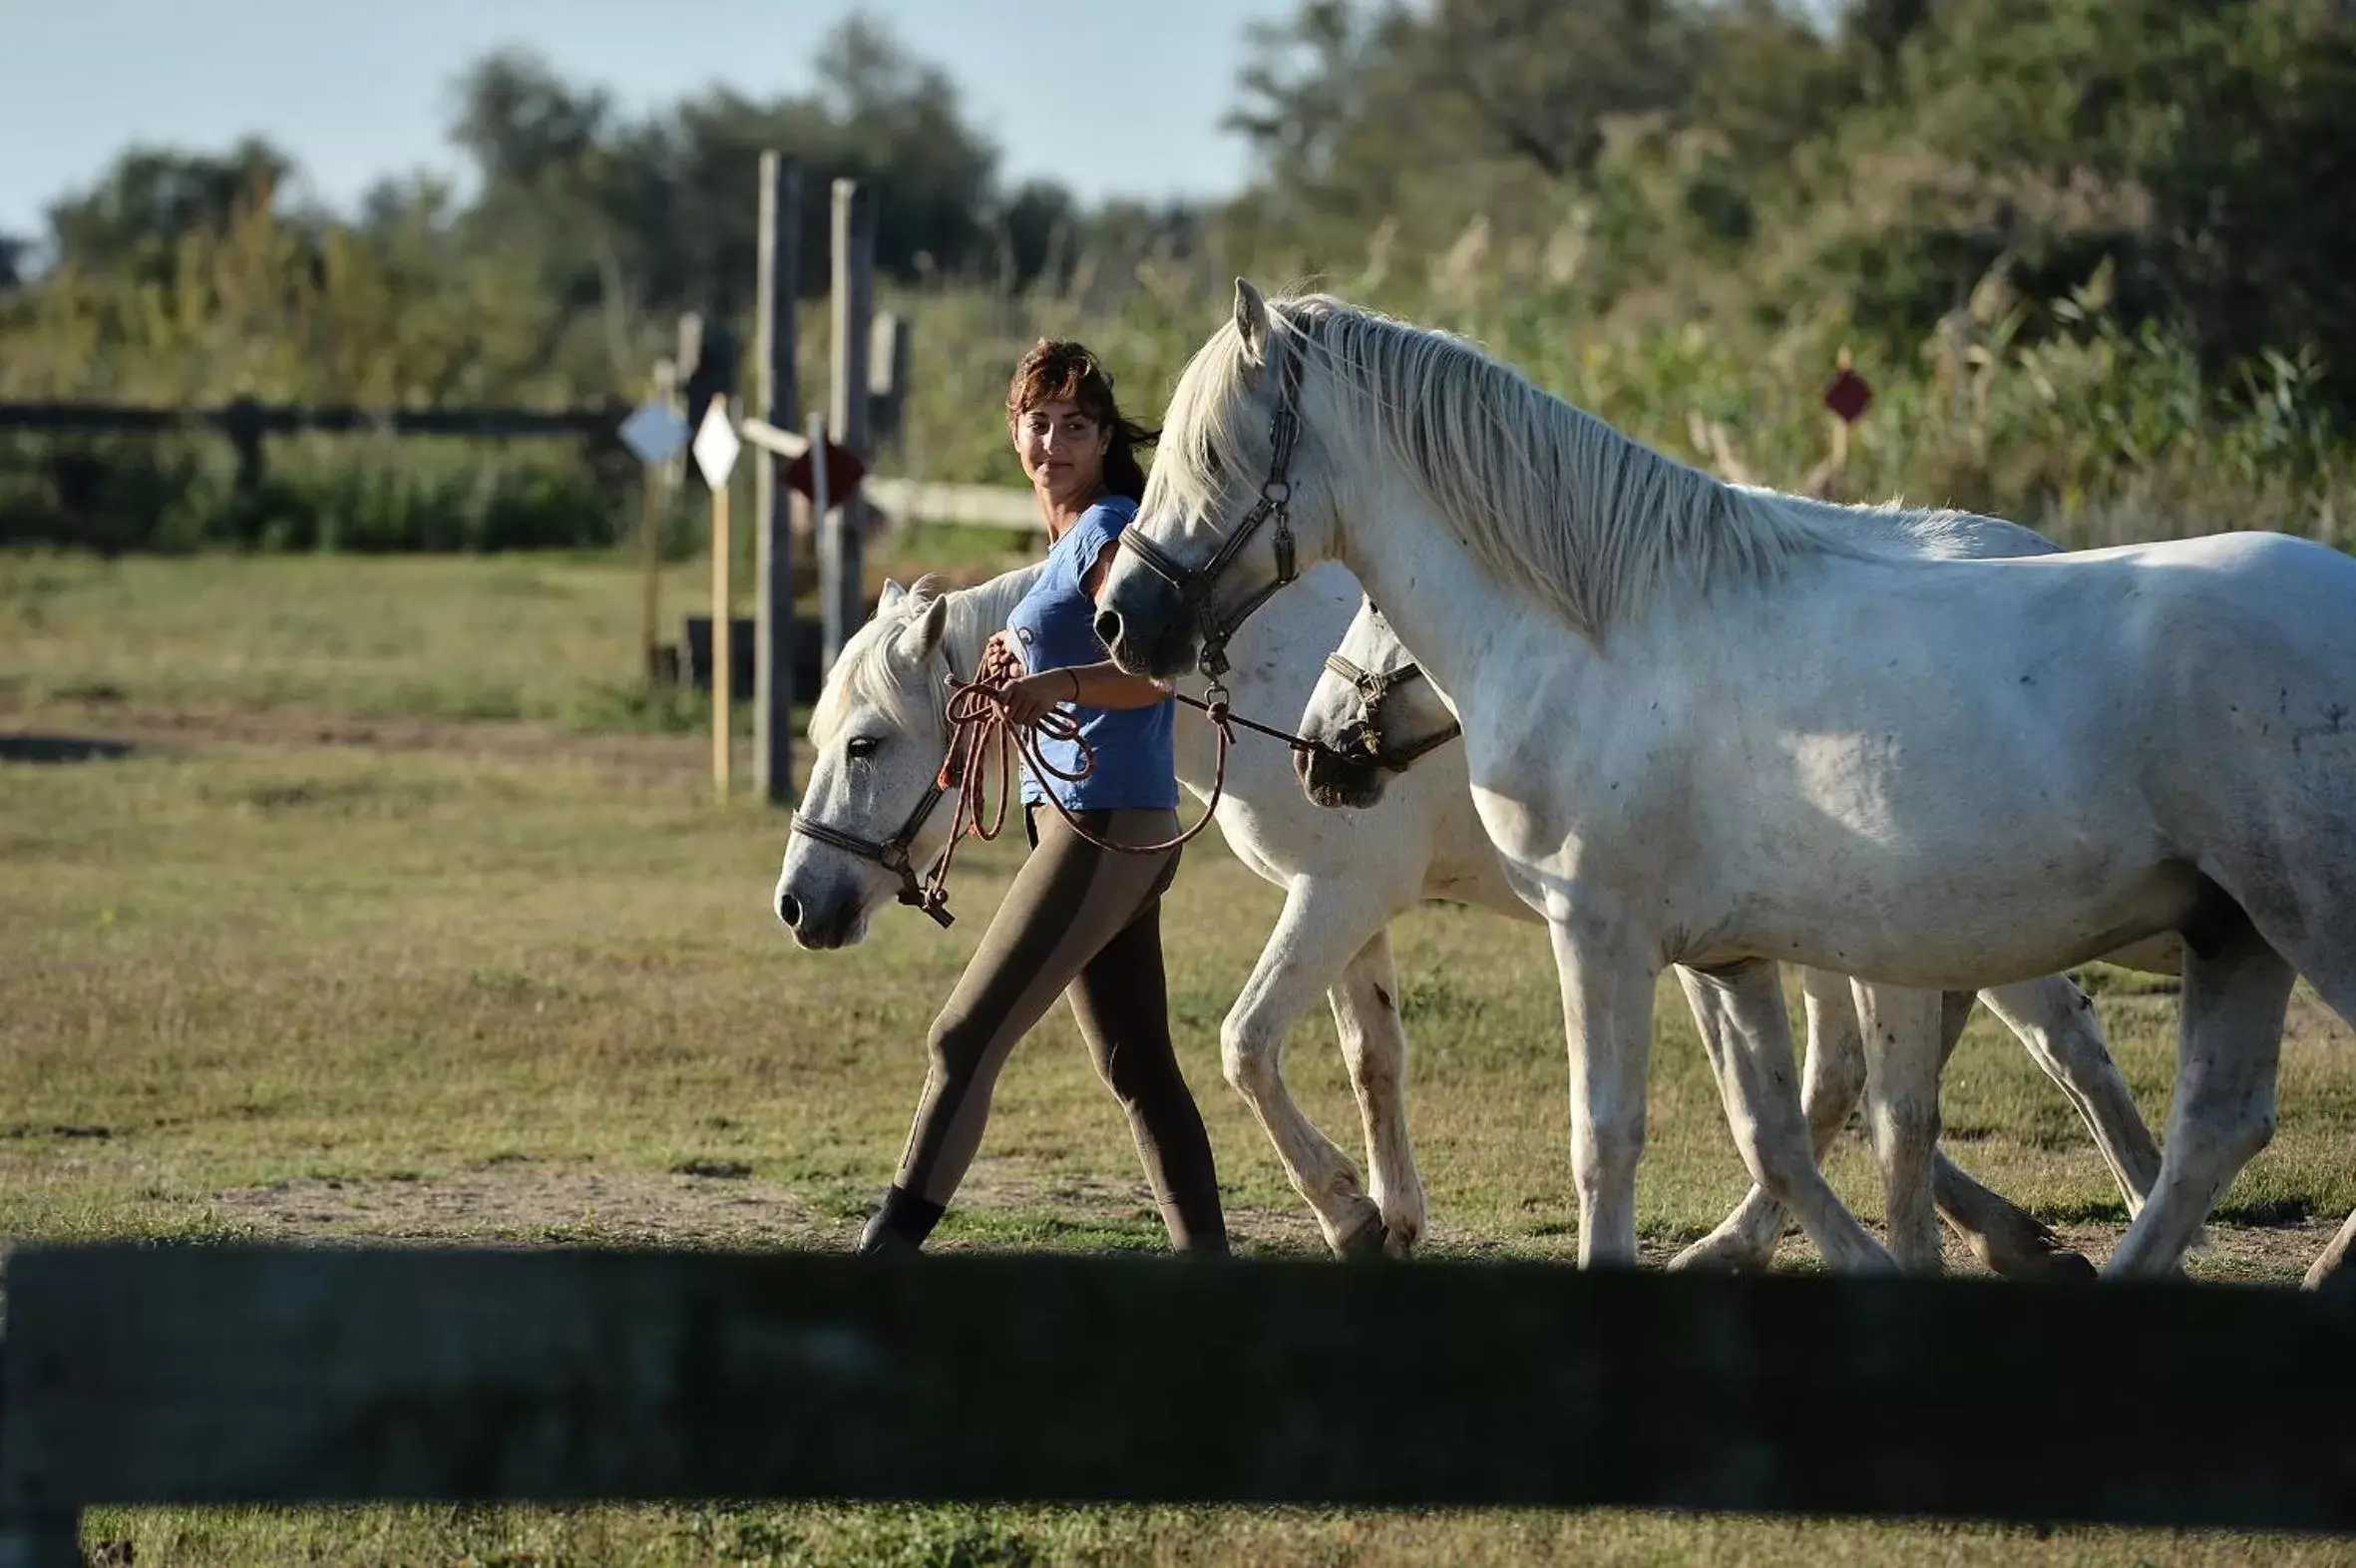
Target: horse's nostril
pixel 789 910
pixel 1108 627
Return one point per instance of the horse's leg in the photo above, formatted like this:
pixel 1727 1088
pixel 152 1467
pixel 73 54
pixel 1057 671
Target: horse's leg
pixel 1374 1048
pixel 1315 936
pixel 2229 1046
pixel 1741 1012
pixel 1831 1077
pixel 2334 1269
pixel 1903 1055
pixel 1607 1010
pixel 2330 1270
pixel 2008 1239
pixel 2056 1022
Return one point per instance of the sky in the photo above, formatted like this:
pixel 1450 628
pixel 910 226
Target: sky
pixel 1108 95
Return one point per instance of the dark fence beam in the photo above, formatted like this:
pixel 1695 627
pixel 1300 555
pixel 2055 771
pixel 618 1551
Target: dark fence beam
pixel 282 1375
pixel 278 420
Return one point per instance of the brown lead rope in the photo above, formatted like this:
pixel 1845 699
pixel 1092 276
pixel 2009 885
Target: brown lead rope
pixel 982 733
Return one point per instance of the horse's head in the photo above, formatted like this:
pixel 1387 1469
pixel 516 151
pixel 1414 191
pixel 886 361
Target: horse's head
pixel 1373 712
pixel 1237 503
pixel 874 814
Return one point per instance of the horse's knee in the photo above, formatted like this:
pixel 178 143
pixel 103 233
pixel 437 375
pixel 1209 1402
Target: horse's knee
pixel 1907 1121
pixel 1376 1070
pixel 2254 1130
pixel 2068 1039
pixel 1247 1056
pixel 1606 1153
pixel 2228 1136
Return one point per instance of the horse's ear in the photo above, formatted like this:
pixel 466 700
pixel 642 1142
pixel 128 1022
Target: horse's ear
pixel 893 594
pixel 1251 317
pixel 925 635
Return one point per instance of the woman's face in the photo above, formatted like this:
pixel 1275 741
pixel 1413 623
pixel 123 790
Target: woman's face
pixel 1062 450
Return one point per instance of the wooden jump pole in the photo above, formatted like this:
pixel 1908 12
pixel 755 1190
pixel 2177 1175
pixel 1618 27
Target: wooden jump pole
pixel 721 615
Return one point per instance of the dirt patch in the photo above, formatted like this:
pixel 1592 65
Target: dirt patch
pixel 522 1203
pixel 519 1203
pixel 2236 1253
pixel 651 757
pixel 1014 1187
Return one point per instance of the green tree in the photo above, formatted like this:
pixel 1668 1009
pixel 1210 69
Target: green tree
pixel 2205 149
pixel 131 220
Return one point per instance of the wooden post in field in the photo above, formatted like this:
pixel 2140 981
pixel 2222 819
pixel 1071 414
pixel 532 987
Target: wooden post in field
pixel 846 420
pixel 775 401
pixel 659 478
pixel 242 421
pixel 1840 427
pixel 722 615
pixel 887 380
pixel 831 631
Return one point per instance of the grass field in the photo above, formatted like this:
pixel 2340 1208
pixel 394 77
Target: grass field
pixel 388 925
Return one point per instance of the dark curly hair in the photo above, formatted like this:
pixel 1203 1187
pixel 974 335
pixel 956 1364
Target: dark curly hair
pixel 1059 371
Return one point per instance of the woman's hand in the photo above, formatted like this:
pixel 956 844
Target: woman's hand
pixel 1033 697
pixel 1000 663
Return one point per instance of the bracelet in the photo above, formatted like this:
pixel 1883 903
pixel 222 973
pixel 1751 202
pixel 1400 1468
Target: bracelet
pixel 1076 682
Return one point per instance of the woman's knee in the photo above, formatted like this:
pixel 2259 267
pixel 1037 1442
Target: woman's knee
pixel 1139 1072
pixel 956 1047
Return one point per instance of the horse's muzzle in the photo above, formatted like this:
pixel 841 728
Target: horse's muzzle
pixel 1142 623
pixel 823 921
pixel 1332 780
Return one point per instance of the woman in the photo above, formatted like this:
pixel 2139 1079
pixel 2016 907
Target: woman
pixel 1078 921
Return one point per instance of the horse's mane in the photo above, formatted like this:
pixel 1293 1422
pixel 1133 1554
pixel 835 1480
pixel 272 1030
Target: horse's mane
pixel 873 670
pixel 1543 492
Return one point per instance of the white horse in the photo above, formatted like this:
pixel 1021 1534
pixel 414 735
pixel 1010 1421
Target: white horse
pixel 1706 727
pixel 878 736
pixel 1376 716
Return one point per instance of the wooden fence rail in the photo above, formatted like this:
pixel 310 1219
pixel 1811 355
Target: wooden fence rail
pixel 279 1375
pixel 278 419
pixel 1010 507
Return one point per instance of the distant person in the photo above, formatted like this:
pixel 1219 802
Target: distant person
pixel 1079 921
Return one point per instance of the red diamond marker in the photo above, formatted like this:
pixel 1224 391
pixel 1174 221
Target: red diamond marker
pixel 844 471
pixel 1848 396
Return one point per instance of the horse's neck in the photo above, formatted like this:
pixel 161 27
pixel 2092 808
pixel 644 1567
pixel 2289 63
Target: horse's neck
pixel 1456 618
pixel 1276 657
pixel 976 615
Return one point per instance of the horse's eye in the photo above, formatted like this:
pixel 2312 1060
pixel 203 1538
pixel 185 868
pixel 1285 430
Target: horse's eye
pixel 860 746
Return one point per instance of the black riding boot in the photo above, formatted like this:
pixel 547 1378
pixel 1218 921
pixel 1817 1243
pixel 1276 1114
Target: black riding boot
pixel 900 1227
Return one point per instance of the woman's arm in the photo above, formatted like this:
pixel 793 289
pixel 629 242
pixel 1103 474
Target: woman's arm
pixel 1108 685
pixel 1102 685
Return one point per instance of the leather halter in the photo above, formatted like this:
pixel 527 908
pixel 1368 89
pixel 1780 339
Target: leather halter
pixel 892 854
pixel 1275 503
pixel 1373 687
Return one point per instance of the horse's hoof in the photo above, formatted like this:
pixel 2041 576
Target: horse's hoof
pixel 1365 1239
pixel 2056 1265
pixel 1402 1226
pixel 1719 1251
pixel 2038 1255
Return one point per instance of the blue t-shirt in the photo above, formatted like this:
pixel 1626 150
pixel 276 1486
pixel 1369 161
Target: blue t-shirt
pixel 1056 627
